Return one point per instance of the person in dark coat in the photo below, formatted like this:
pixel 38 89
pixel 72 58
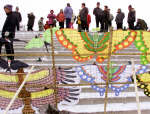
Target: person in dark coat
pixel 83 17
pixel 31 19
pixel 141 25
pixel 98 14
pixel 131 17
pixel 8 31
pixel 119 19
pixel 105 20
pixel 18 14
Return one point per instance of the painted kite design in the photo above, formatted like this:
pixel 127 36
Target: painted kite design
pixel 85 45
pixel 144 80
pixel 40 41
pixel 142 43
pixel 40 95
pixel 98 74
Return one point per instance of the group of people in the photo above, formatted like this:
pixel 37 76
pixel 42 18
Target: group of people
pixel 103 18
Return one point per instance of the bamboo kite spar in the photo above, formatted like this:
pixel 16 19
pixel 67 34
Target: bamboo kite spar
pixel 135 85
pixel 13 99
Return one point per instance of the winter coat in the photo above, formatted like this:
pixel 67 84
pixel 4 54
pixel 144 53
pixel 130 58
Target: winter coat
pixel 61 17
pixel 41 25
pixel 10 25
pixel 119 18
pixel 131 16
pixel 83 14
pixel 31 19
pixel 98 12
pixel 105 16
pixel 88 19
pixel 68 12
pixel 51 18
pixel 111 17
pixel 141 25
pixel 18 16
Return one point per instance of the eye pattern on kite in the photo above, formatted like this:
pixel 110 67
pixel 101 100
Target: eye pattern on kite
pixel 142 44
pixel 143 80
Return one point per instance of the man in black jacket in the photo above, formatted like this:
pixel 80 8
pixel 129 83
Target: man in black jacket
pixel 131 17
pixel 31 19
pixel 8 31
pixel 83 17
pixel 98 14
pixel 18 14
pixel 105 20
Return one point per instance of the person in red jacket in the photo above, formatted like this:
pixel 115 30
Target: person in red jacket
pixel 61 18
pixel 88 20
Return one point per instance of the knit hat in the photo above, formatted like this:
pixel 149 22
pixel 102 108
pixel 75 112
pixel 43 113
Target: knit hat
pixel 8 6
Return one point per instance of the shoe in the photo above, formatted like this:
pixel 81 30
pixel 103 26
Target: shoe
pixel 39 60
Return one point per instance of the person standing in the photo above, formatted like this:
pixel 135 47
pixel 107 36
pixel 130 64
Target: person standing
pixel 41 24
pixel 68 15
pixel 131 17
pixel 83 17
pixel 52 17
pixel 98 14
pixel 8 31
pixel 31 19
pixel 61 18
pixel 119 19
pixel 105 20
pixel 18 14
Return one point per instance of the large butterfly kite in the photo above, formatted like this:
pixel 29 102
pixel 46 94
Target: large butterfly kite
pixel 98 74
pixel 84 45
pixel 40 95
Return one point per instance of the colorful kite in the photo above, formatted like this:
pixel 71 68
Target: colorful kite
pixel 39 95
pixel 98 74
pixel 85 45
pixel 144 83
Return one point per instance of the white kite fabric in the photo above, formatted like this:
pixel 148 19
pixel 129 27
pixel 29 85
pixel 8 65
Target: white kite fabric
pixel 98 74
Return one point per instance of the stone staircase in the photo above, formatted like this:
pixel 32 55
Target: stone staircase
pixel 90 101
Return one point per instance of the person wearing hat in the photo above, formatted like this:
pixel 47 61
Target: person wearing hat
pixel 8 31
pixel 119 19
